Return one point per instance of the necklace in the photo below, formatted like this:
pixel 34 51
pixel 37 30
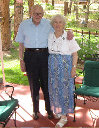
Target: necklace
pixel 55 45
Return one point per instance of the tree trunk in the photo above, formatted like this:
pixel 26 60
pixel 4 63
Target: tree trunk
pixel 65 8
pixel 87 14
pixel 18 15
pixel 46 1
pixel 76 10
pixel 30 3
pixel 70 6
pixel 5 25
pixel 52 2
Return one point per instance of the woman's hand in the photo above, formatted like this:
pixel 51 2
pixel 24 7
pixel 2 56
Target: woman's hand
pixel 22 65
pixel 73 72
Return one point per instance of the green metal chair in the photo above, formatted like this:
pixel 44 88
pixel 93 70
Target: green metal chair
pixel 8 107
pixel 90 85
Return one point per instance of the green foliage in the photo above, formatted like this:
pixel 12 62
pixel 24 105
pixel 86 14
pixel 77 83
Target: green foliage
pixel 89 47
pixel 11 2
pixel 38 2
pixel 94 16
pixel 49 6
pixel 12 35
pixel 71 23
pixel 47 16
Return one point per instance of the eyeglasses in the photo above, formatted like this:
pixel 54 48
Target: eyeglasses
pixel 37 14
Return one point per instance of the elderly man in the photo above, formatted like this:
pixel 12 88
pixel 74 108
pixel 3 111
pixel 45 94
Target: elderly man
pixel 33 53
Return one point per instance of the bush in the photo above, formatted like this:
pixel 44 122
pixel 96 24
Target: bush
pixel 72 23
pixel 89 47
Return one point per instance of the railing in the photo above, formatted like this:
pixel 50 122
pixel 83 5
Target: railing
pixel 89 43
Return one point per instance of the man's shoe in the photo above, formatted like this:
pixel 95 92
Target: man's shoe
pixel 50 116
pixel 35 116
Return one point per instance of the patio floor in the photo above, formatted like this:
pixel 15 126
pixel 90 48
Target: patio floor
pixel 84 117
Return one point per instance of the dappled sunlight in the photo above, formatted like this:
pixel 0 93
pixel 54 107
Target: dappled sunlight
pixel 79 115
pixel 78 112
pixel 23 115
pixel 7 55
pixel 12 63
pixel 78 108
pixel 42 107
pixel 25 111
pixel 80 98
pixel 21 91
pixel 93 113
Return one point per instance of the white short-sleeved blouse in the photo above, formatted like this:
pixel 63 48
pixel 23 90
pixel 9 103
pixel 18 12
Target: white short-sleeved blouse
pixel 61 45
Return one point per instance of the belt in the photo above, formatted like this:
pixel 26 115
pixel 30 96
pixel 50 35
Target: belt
pixel 36 49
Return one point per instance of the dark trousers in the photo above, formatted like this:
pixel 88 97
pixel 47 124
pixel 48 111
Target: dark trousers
pixel 37 71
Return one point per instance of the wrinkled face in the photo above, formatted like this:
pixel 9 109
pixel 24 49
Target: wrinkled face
pixel 37 15
pixel 58 24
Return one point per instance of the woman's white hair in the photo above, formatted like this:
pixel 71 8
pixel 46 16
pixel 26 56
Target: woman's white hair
pixel 59 16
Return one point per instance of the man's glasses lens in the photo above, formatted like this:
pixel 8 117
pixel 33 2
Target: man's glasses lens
pixel 37 14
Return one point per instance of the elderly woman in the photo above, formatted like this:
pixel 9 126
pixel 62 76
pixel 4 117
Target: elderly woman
pixel 62 64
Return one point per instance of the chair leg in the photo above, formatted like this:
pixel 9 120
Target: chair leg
pixel 84 100
pixel 15 119
pixel 4 125
pixel 74 117
pixel 75 97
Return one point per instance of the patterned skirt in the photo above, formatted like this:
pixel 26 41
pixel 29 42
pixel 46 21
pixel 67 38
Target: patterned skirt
pixel 60 84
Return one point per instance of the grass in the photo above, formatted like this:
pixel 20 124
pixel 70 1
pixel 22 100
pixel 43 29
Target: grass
pixel 12 70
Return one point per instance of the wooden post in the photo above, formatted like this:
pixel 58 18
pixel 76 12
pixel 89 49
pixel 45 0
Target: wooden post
pixel 18 15
pixel 0 30
pixel 5 25
pixel 0 15
pixel 30 3
pixel 52 2
pixel 46 1
pixel 1 53
pixel 89 35
pixel 65 8
pixel 82 36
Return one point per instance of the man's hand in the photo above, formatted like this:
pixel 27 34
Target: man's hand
pixel 22 65
pixel 70 35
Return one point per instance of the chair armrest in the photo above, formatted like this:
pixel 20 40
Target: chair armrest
pixel 7 86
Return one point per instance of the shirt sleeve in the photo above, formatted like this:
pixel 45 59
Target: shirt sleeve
pixel 20 34
pixel 73 46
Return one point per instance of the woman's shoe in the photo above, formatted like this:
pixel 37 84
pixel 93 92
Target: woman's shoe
pixel 50 115
pixel 57 116
pixel 61 122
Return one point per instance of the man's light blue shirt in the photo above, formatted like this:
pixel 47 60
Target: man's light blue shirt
pixel 34 36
